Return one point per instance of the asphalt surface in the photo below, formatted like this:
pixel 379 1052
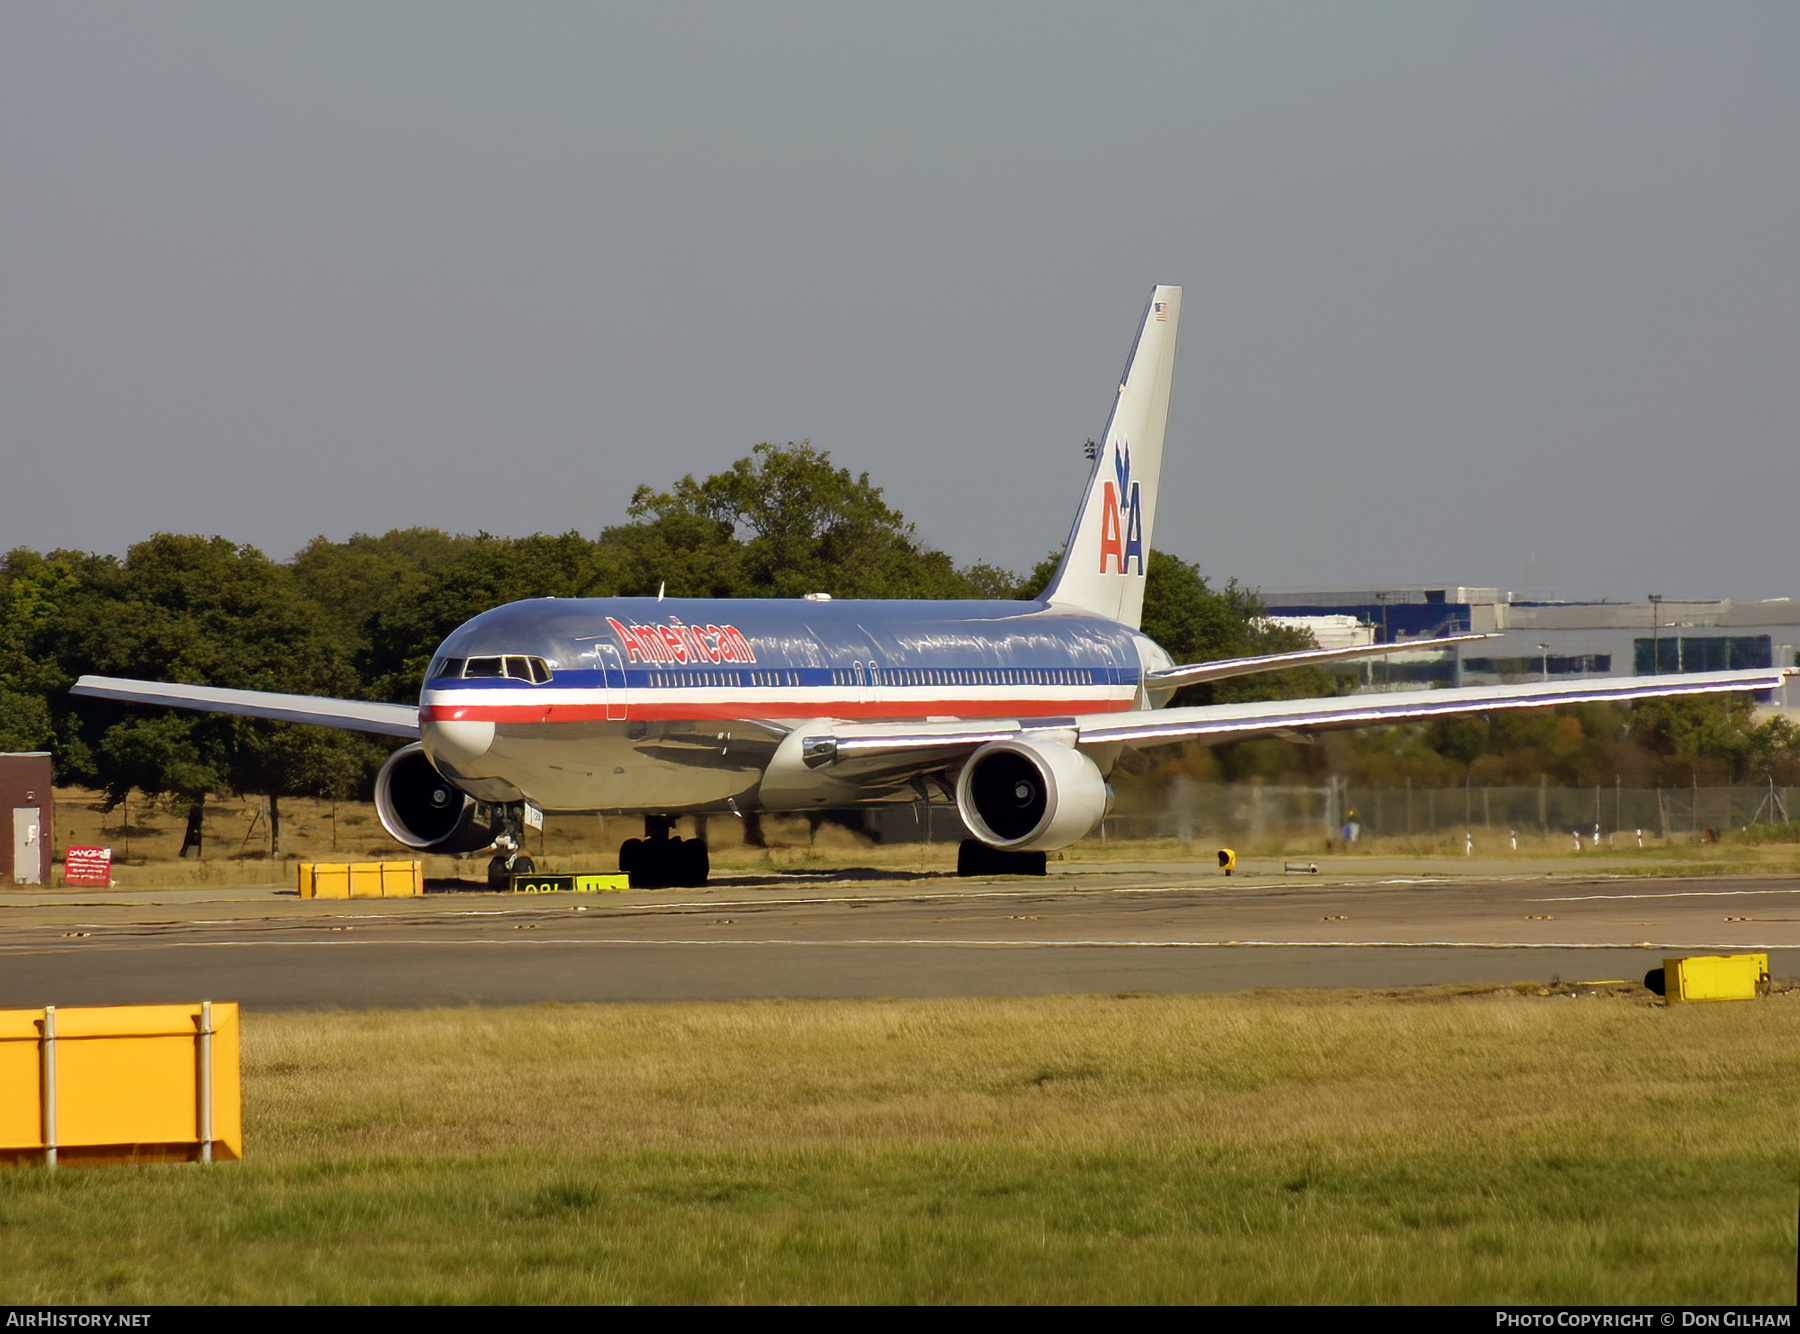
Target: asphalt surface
pixel 1147 928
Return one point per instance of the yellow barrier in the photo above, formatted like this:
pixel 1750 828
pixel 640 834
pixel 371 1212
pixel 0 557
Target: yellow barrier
pixel 127 1083
pixel 361 880
pixel 1715 977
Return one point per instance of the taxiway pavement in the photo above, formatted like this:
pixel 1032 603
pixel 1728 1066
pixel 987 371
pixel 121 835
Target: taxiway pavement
pixel 1113 929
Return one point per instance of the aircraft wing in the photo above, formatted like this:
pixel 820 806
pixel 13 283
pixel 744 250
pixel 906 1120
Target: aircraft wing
pixel 878 751
pixel 1228 722
pixel 1193 673
pixel 353 715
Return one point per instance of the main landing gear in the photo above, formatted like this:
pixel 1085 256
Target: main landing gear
pixel 975 858
pixel 510 859
pixel 660 860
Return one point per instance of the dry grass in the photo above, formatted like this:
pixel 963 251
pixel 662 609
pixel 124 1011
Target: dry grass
pixel 1072 1071
pixel 1487 1147
pixel 238 853
pixel 237 845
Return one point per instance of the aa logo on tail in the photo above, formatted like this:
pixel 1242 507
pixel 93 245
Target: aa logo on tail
pixel 1122 519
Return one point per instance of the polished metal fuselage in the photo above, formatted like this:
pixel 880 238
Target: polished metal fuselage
pixel 680 705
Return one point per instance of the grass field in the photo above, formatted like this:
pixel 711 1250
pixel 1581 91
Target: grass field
pixel 1503 1146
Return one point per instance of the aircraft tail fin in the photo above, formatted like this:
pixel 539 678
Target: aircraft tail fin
pixel 1103 566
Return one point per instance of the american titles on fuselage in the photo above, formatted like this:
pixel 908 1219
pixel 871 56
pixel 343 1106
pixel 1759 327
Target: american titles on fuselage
pixel 676 642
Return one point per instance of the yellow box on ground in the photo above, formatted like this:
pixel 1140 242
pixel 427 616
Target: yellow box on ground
pixel 126 1083
pixel 21 1113
pixel 1715 977
pixel 371 880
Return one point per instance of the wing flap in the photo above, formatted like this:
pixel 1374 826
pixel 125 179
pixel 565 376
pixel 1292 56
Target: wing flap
pixel 353 715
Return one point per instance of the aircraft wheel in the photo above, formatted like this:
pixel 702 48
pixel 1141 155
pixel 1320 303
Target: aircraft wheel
pixel 523 865
pixel 975 858
pixel 694 864
pixel 649 863
pixel 972 858
pixel 498 875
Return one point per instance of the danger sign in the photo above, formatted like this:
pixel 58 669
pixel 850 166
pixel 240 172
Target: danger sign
pixel 88 866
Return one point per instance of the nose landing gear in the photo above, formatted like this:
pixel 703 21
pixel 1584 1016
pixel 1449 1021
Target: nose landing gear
pixel 505 866
pixel 509 859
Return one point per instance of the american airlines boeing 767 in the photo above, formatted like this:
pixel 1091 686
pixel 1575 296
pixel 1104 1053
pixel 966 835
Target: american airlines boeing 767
pixel 1015 711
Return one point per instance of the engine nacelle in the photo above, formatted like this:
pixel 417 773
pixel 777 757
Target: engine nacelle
pixel 1024 795
pixel 423 809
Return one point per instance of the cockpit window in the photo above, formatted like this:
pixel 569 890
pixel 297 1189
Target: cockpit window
pixel 516 666
pixel 445 667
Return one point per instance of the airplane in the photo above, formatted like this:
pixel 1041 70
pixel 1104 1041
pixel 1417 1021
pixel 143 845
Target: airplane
pixel 1014 711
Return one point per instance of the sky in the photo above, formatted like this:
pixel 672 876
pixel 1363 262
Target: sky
pixel 1485 294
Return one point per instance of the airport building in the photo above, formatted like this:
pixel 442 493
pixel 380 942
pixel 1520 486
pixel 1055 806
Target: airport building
pixel 1543 639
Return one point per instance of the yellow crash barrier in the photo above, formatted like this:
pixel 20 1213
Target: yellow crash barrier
pixel 125 1083
pixel 361 880
pixel 1715 977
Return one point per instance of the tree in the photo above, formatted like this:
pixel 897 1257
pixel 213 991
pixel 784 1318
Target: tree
pixel 479 573
pixel 784 523
pixel 1676 741
pixel 350 582
pixel 201 611
pixel 180 758
pixel 33 589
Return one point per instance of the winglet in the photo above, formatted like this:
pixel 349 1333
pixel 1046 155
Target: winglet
pixel 1103 566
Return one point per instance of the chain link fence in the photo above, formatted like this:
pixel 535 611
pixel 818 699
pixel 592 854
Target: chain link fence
pixel 1269 815
pixel 1259 813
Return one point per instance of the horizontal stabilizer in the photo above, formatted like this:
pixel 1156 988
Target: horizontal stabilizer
pixel 353 715
pixel 1194 673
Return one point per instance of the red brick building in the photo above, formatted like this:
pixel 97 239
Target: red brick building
pixel 25 791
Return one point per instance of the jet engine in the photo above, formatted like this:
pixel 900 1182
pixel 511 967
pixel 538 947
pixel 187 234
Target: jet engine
pixel 424 810
pixel 1025 795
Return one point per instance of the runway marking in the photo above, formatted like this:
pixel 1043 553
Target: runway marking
pixel 1673 894
pixel 1734 946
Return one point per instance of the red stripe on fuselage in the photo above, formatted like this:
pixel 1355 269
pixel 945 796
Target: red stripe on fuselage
pixel 675 710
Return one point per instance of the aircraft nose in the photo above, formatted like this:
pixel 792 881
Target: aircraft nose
pixel 457 742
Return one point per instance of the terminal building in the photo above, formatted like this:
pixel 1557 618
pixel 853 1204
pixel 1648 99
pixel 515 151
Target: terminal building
pixel 1542 639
